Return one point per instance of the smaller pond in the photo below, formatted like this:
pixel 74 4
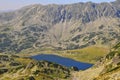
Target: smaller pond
pixel 62 61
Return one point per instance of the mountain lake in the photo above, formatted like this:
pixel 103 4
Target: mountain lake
pixel 62 61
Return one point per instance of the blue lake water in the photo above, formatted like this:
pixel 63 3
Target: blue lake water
pixel 62 61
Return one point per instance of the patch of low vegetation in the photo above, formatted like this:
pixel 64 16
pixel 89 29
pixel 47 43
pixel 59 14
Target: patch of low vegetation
pixel 112 66
pixel 89 54
pixel 28 69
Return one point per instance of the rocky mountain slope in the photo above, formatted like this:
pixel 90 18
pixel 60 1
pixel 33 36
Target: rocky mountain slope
pixel 108 68
pixel 60 26
pixel 13 67
pixel 23 68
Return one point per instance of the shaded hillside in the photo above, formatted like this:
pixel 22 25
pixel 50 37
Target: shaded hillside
pixel 60 26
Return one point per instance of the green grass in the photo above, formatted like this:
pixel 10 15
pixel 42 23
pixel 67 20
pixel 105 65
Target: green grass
pixel 89 54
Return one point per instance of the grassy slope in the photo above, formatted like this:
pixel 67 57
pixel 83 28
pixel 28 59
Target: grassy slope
pixel 108 68
pixel 28 68
pixel 112 69
pixel 89 54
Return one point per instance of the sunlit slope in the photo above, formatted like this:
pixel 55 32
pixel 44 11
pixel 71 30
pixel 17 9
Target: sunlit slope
pixel 89 54
pixel 107 68
pixel 13 67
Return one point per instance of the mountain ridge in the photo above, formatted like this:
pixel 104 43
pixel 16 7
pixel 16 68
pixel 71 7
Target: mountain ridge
pixel 60 26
